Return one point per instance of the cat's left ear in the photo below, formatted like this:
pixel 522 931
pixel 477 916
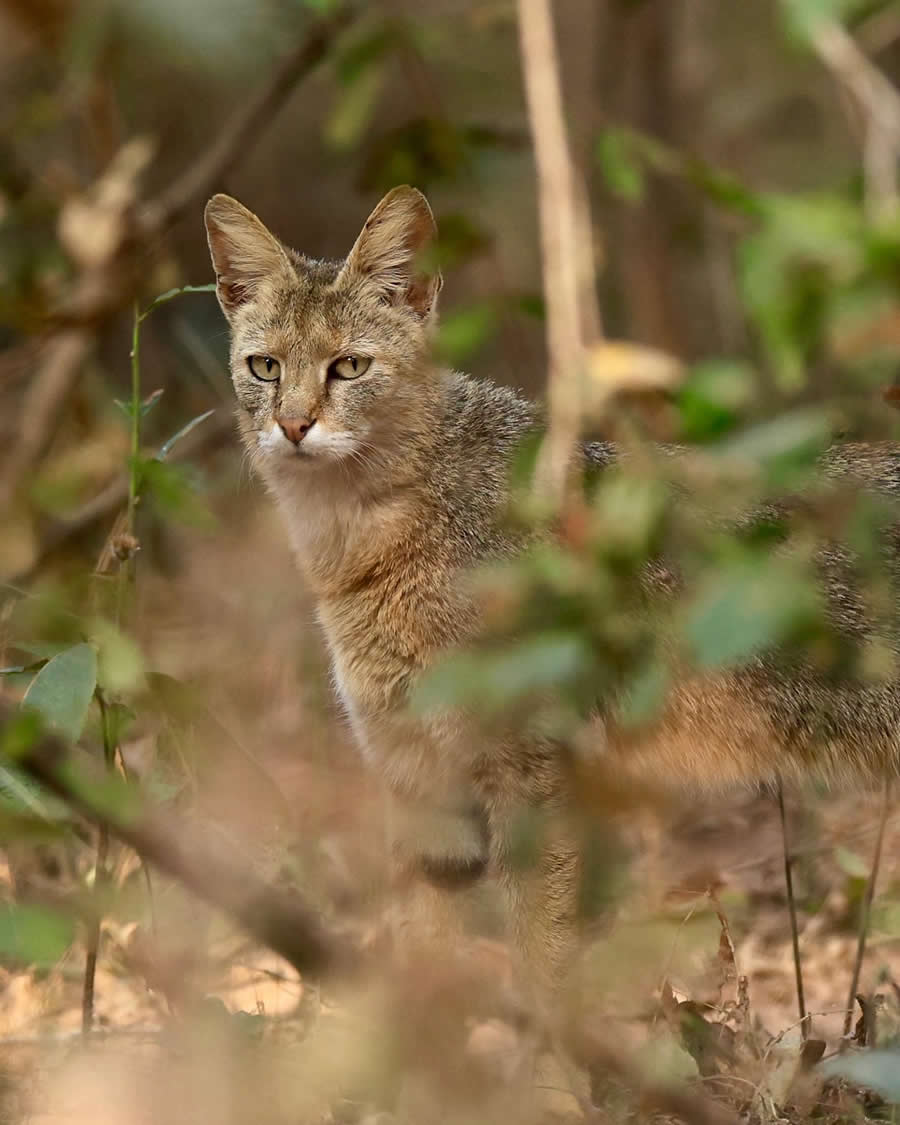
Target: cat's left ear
pixel 390 248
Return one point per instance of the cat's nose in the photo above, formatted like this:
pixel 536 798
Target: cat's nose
pixel 295 427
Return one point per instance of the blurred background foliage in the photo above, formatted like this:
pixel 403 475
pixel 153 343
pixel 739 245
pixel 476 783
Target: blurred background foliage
pixel 744 227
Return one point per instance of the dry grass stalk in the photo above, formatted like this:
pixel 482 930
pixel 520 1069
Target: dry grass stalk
pixel 865 912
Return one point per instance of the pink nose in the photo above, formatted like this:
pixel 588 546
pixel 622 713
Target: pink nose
pixel 295 428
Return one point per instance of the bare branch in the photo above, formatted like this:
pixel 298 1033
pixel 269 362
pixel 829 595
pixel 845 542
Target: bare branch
pixel 878 101
pixel 563 259
pixel 246 126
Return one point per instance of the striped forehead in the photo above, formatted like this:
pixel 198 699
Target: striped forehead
pixel 308 315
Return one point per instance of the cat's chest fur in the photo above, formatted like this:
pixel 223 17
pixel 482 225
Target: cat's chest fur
pixel 390 598
pixel 389 569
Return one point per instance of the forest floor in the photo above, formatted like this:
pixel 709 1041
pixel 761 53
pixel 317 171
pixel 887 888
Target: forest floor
pixel 228 616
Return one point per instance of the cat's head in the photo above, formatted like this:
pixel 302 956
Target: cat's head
pixel 328 359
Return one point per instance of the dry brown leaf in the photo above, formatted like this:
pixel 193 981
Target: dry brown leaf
pixel 617 366
pixel 92 226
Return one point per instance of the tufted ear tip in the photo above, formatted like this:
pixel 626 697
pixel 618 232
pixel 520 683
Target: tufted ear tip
pixel 221 208
pixel 390 246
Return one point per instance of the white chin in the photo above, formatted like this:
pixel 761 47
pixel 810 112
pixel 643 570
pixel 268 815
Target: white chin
pixel 318 443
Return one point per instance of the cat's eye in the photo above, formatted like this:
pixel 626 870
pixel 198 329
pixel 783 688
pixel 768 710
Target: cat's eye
pixel 264 367
pixel 349 367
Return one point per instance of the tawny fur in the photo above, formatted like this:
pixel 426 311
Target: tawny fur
pixel 398 490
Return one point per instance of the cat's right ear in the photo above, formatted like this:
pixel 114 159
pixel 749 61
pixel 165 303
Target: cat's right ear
pixel 243 252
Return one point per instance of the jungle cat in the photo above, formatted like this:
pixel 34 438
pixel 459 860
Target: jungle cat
pixel 392 476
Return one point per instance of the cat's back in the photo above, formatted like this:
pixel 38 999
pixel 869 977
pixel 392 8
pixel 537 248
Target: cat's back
pixel 482 429
pixel 874 466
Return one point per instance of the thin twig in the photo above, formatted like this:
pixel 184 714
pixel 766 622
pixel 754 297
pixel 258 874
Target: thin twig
pixel 865 913
pixel 247 124
pixel 879 103
pixel 563 260
pixel 93 938
pixel 792 911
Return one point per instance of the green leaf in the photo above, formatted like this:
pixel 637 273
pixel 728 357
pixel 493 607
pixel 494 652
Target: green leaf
pixel 531 305
pixel 20 733
pixel 166 448
pixel 43 652
pixel 34 935
pixel 108 796
pixel 748 608
pixel 354 106
pixel 174 489
pixel 151 400
pixel 19 794
pixel 878 1070
pixel 119 718
pixel 495 680
pixel 804 17
pixel 803 248
pixel 63 689
pixel 358 56
pixel 120 666
pixel 171 294
pixel 713 398
pixel 723 189
pixel 18 827
pixel 464 331
pixel 795 438
pixel 618 159
pixel 146 406
pixel 851 864
pixel 459 240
